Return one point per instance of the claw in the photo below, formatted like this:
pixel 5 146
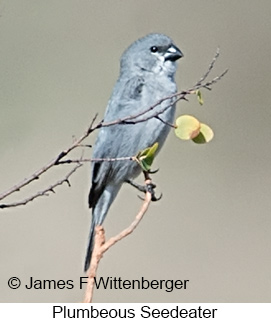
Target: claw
pixel 141 198
pixel 153 171
pixel 150 188
pixel 155 199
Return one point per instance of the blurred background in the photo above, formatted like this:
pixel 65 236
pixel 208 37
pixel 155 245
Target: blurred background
pixel 59 62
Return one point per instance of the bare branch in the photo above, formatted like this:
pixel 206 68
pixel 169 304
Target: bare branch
pixel 49 165
pixel 45 192
pixel 207 85
pixel 88 160
pixel 211 66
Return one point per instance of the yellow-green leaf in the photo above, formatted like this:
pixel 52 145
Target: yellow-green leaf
pixel 188 127
pixel 145 157
pixel 199 96
pixel 205 135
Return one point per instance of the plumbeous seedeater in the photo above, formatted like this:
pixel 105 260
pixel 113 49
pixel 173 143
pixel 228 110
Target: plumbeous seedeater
pixel 147 70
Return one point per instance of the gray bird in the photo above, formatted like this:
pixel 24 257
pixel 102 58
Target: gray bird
pixel 147 70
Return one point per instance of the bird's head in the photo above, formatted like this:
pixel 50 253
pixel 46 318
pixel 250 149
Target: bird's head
pixel 154 53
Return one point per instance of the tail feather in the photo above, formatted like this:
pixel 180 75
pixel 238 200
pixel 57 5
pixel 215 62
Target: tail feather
pixel 90 246
pixel 99 211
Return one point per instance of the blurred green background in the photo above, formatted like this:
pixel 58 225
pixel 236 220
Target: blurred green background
pixel 59 62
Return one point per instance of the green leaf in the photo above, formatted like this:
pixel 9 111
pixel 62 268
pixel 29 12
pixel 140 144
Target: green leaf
pixel 205 135
pixel 199 96
pixel 187 127
pixel 145 157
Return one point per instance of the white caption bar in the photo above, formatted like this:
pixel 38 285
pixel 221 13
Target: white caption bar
pixel 220 312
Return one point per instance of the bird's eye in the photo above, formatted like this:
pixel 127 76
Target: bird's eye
pixel 154 49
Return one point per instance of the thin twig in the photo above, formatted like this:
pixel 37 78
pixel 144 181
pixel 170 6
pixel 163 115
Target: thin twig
pixel 215 80
pixel 49 165
pixel 45 192
pixel 165 122
pixel 89 160
pixel 211 66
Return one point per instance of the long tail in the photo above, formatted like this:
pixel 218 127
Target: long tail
pixel 99 212
pixel 90 246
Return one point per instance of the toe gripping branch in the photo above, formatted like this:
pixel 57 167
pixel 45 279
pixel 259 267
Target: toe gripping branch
pixel 148 187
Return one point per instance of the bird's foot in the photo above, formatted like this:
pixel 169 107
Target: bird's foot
pixel 149 187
